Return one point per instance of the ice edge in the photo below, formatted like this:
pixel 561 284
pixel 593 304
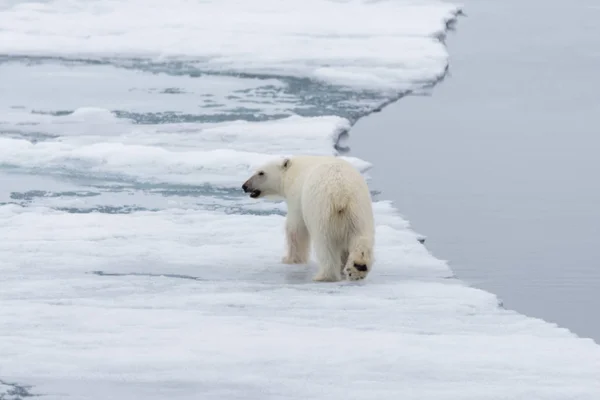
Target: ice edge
pixel 15 391
pixel 449 26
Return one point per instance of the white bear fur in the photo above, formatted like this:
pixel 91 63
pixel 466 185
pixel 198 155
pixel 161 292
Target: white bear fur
pixel 329 204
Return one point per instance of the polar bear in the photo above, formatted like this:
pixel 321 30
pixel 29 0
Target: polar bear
pixel 329 204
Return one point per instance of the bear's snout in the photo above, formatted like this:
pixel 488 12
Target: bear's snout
pixel 254 193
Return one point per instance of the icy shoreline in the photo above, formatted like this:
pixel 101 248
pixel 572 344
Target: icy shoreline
pixel 102 299
pixel 498 223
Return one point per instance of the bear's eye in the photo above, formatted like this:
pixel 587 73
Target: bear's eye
pixel 261 173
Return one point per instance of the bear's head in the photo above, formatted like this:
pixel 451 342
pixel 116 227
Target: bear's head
pixel 267 180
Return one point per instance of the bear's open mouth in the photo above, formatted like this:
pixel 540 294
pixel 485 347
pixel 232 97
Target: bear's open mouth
pixel 255 193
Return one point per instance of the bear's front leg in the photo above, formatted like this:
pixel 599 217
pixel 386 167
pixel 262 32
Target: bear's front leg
pixel 298 242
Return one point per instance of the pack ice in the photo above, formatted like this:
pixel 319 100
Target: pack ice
pixel 132 265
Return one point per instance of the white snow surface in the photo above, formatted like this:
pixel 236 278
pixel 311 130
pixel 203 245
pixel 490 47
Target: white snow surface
pixel 247 326
pixel 132 266
pixel 345 42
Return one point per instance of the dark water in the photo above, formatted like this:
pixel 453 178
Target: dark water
pixel 500 166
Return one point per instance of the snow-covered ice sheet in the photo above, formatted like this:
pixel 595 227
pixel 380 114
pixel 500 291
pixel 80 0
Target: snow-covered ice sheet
pixel 192 153
pixel 343 42
pixel 226 318
pixel 132 266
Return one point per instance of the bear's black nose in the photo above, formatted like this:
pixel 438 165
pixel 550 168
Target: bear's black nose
pixel 245 187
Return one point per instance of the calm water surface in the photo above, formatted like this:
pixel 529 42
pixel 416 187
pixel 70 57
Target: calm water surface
pixel 500 166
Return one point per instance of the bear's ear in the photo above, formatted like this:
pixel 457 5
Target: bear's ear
pixel 286 163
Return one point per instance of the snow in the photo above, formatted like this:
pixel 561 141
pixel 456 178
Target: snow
pixel 248 324
pixel 140 157
pixel 336 41
pixel 133 266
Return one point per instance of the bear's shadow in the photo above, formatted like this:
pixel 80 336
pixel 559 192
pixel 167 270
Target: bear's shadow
pixel 298 274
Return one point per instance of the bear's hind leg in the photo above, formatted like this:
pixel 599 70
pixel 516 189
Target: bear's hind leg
pixel 298 242
pixel 360 259
pixel 329 261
